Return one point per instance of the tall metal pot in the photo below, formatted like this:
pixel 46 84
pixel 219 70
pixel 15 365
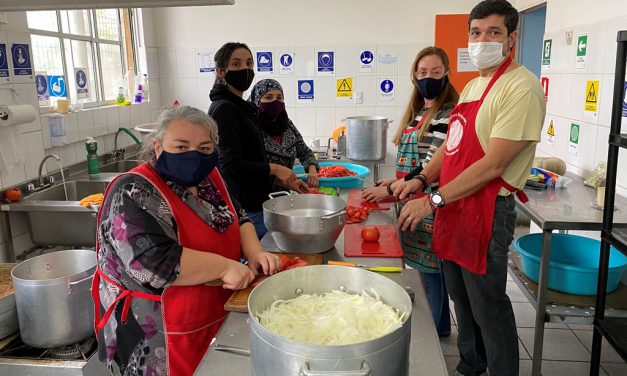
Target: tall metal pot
pixel 53 299
pixel 366 137
pixel 272 354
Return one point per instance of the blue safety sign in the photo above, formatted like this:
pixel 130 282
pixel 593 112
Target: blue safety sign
pixel 305 89
pixel 22 64
pixel 326 61
pixel 41 84
pixel 366 57
pixel 625 101
pixel 387 86
pixel 81 79
pixel 286 60
pixel 56 85
pixel 264 61
pixel 4 62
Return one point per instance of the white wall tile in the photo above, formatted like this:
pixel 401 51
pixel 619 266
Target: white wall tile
pixel 613 26
pixel 204 85
pixel 167 62
pixel 85 124
pixel 345 57
pixel 186 62
pixel 33 152
pixel 367 85
pixel 325 122
pixel 603 134
pixel 306 120
pixel 406 55
pixel 124 117
pixel 154 96
pixel 108 143
pixel 100 122
pixel 71 128
pixel 342 113
pixel 290 93
pixel 552 104
pixel 154 115
pixel 606 99
pixel 621 178
pixel 388 112
pixel 188 92
pixel 22 243
pixel 68 155
pixel 45 131
pixel 145 113
pixel 387 69
pixel 365 110
pixel 304 61
pixel 113 119
pixel 169 91
pixel 325 91
pixel 13 174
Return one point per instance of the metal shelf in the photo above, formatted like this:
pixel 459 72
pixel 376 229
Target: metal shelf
pixel 619 140
pixel 618 239
pixel 615 331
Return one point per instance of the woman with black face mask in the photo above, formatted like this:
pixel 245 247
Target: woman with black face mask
pixel 283 142
pixel 420 133
pixel 243 162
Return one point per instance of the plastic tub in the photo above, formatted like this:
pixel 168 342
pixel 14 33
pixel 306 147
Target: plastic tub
pixel 355 181
pixel 574 263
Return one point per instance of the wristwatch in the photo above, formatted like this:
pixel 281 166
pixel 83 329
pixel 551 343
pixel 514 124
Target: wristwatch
pixel 436 199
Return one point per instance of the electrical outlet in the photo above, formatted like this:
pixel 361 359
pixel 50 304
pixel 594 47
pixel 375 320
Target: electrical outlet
pixel 569 37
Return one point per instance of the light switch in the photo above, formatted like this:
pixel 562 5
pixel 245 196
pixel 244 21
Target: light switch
pixel 569 37
pixel 358 98
pixel 3 17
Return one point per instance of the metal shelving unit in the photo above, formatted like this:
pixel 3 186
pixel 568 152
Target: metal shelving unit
pixel 614 329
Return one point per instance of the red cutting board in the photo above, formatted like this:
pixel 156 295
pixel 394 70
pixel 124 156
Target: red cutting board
pixel 354 199
pixel 389 245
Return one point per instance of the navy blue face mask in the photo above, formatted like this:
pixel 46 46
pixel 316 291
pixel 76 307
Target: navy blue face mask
pixel 430 88
pixel 187 169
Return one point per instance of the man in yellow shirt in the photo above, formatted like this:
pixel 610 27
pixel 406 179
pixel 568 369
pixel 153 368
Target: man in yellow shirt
pixel 490 147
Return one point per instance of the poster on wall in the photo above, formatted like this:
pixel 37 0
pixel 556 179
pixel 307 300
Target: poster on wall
pixel 625 101
pixel 56 86
pixel 545 87
pixel 591 105
pixel 582 51
pixel 573 143
pixel 306 90
pixel 286 63
pixel 326 63
pixel 550 132
pixel 464 64
pixel 546 53
pixel 206 64
pixel 366 61
pixel 41 85
pixel 22 64
pixel 82 83
pixel 264 62
pixel 4 63
pixel 387 90
pixel 344 88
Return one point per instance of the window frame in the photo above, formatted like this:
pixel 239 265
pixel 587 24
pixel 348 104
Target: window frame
pixel 95 41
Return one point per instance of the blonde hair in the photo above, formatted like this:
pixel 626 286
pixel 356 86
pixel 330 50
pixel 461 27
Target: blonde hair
pixel 417 102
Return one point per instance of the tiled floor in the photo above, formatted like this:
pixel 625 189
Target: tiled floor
pixel 566 349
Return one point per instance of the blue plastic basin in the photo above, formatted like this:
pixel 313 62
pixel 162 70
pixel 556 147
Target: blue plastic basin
pixel 343 182
pixel 574 263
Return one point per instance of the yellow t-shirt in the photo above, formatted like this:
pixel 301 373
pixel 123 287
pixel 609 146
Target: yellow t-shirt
pixel 514 110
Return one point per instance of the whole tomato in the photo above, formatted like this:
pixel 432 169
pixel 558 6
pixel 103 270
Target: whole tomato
pixel 13 194
pixel 370 234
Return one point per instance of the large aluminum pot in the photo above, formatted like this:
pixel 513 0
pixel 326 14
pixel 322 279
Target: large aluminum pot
pixel 272 354
pixel 52 294
pixel 366 137
pixel 304 223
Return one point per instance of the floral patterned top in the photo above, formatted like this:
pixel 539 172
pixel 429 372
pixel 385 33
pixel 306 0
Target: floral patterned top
pixel 138 249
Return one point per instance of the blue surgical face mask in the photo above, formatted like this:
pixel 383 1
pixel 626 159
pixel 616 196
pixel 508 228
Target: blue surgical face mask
pixel 187 169
pixel 430 88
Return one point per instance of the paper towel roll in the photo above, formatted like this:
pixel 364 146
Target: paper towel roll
pixel 17 114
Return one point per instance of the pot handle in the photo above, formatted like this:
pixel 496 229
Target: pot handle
pixel 333 215
pixel 80 280
pixel 278 194
pixel 364 371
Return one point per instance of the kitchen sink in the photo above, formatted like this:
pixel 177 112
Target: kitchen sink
pixel 55 221
pixel 120 166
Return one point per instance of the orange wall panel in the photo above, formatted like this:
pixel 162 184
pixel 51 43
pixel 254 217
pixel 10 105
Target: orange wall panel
pixel 451 33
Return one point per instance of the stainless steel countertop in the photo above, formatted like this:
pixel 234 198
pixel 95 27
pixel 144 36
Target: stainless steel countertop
pixel 569 208
pixel 425 353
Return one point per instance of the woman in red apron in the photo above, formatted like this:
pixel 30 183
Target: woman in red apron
pixel 165 229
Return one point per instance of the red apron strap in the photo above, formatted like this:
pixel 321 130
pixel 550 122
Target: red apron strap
pixel 496 76
pixel 522 196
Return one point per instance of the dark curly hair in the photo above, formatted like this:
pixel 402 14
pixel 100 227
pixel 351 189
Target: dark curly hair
pixel 501 7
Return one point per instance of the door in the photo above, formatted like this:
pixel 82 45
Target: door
pixel 531 35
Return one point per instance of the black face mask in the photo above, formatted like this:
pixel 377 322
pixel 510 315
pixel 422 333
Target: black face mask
pixel 240 79
pixel 274 126
pixel 430 88
pixel 187 169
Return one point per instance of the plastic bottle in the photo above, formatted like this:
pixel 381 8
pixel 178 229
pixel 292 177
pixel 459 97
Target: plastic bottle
pixel 139 93
pixel 93 164
pixel 145 85
pixel 120 100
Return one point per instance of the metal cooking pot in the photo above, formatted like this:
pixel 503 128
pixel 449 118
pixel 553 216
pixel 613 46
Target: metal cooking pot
pixel 52 294
pixel 272 354
pixel 304 223
pixel 366 137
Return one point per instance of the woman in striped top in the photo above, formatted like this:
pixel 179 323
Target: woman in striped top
pixel 421 131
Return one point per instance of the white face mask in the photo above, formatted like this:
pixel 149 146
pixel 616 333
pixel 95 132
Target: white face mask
pixel 485 55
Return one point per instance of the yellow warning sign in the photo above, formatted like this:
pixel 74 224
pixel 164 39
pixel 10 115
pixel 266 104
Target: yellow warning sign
pixel 551 130
pixel 592 96
pixel 344 87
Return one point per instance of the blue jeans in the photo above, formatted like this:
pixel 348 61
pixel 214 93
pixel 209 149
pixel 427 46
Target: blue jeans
pixel 438 301
pixel 487 336
pixel 257 219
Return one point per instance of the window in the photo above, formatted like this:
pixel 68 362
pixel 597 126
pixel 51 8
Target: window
pixel 97 41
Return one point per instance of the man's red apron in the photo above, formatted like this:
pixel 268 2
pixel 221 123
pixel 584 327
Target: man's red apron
pixel 191 315
pixel 463 229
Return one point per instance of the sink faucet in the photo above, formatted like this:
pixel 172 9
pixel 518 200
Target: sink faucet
pixel 41 178
pixel 119 153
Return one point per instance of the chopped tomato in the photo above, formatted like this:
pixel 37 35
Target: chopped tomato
pixel 335 171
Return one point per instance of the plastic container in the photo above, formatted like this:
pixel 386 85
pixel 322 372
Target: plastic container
pixel 574 263
pixel 343 182
pixel 93 164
